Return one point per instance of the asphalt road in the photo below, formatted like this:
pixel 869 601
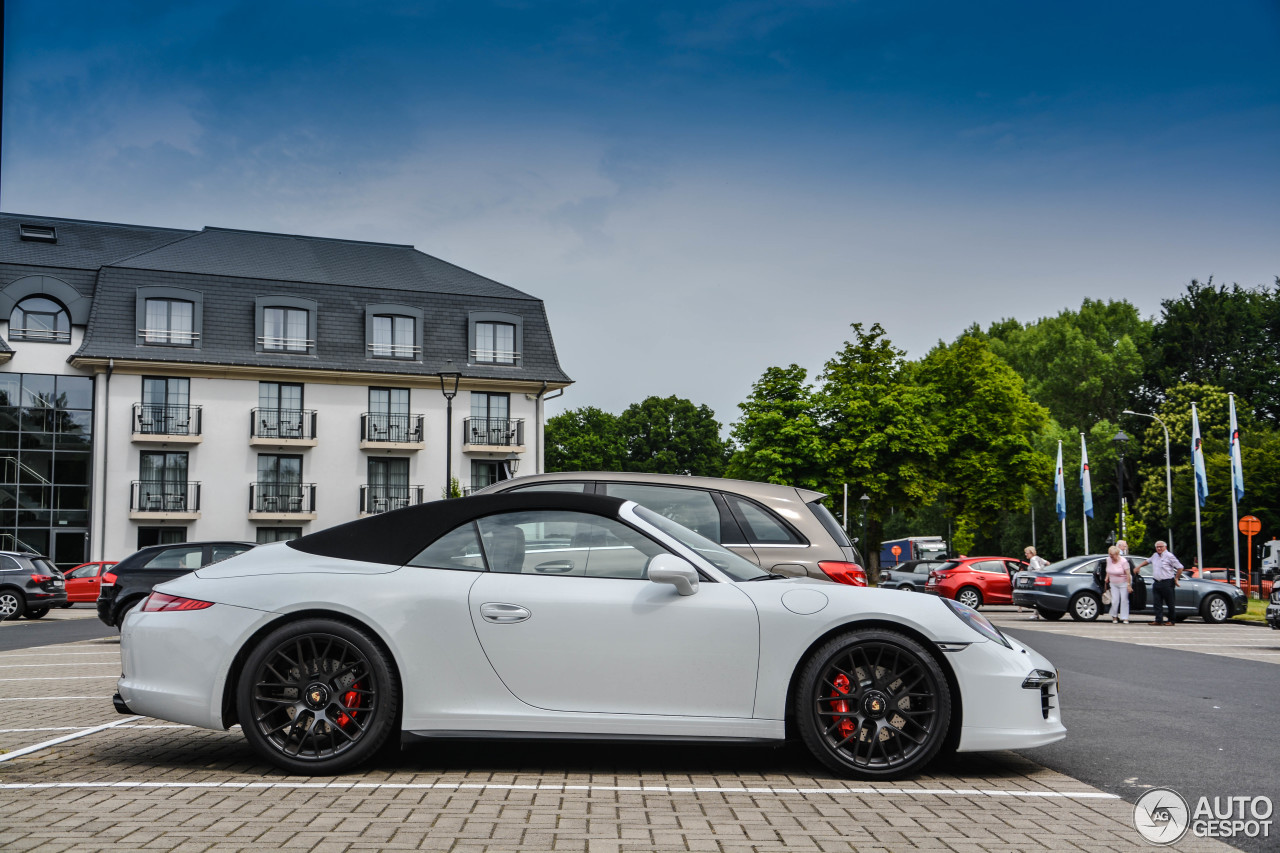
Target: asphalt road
pixel 29 633
pixel 1140 717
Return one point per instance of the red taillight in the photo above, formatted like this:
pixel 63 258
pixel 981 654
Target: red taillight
pixel 1044 582
pixel 846 573
pixel 108 578
pixel 940 575
pixel 41 578
pixel 158 602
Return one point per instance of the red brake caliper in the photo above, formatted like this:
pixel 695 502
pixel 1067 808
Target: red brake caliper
pixel 841 706
pixel 351 700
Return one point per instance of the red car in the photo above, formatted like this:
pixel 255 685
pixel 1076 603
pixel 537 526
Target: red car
pixel 976 581
pixel 84 581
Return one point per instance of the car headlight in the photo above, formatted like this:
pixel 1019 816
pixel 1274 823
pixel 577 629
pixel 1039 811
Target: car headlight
pixel 977 622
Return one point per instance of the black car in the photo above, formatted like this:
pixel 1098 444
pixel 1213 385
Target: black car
pixel 1273 608
pixel 129 581
pixel 910 576
pixel 29 585
pixel 1072 586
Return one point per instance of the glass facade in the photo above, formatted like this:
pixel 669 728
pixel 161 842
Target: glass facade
pixel 46 447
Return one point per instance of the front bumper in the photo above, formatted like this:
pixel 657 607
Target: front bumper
pixel 999 713
pixel 1273 616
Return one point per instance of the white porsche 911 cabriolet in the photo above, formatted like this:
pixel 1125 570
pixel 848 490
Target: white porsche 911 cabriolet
pixel 567 615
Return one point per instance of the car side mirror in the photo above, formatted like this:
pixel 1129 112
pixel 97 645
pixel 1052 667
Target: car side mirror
pixel 668 568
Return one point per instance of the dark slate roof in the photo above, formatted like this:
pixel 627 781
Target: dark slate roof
pixel 284 257
pixel 81 245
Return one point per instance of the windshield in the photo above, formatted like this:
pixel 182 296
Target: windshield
pixel 731 564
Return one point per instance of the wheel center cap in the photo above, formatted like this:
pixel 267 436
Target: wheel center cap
pixel 875 704
pixel 317 696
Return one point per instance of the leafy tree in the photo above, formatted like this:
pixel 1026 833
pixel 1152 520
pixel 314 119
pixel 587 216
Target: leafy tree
pixel 585 439
pixel 670 435
pixel 1219 336
pixel 1084 366
pixel 990 427
pixel 779 437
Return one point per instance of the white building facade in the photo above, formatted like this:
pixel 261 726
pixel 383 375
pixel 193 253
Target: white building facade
pixel 165 386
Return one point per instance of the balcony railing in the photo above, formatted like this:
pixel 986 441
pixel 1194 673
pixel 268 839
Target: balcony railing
pixel 282 497
pixel 504 432
pixel 151 419
pixel 376 498
pixel 384 426
pixel 282 423
pixel 164 496
pixel 495 356
pixel 169 337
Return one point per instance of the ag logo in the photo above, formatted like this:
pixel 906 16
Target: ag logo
pixel 1161 816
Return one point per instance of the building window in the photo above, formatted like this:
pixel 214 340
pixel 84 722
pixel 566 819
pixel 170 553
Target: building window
pixel 267 535
pixel 280 412
pixel 165 408
pixel 388 484
pixel 394 336
pixel 170 322
pixel 490 422
pixel 37 318
pixel 495 343
pixel 285 330
pixel 148 536
pixel 37 233
pixel 389 418
pixel 162 482
pixel 279 483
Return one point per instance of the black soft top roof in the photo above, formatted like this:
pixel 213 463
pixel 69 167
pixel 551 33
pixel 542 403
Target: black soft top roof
pixel 396 537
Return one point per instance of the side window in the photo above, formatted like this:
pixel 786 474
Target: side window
pixel 691 508
pixel 225 552
pixel 576 488
pixel 558 542
pixel 457 549
pixel 762 526
pixel 83 572
pixel 9 564
pixel 1014 566
pixel 989 567
pixel 178 558
pixel 1087 568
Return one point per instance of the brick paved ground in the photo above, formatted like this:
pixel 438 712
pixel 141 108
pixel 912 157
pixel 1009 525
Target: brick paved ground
pixel 182 789
pixel 1231 639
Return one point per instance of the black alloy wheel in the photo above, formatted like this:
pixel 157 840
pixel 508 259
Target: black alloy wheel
pixel 873 704
pixel 12 604
pixel 1051 615
pixel 317 696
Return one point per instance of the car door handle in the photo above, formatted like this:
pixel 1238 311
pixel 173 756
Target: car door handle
pixel 555 566
pixel 504 613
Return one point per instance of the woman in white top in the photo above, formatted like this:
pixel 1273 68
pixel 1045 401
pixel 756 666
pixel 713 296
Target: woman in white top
pixel 1034 564
pixel 1120 584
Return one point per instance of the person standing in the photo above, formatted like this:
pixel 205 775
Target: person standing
pixel 1166 569
pixel 1123 546
pixel 1118 582
pixel 1034 564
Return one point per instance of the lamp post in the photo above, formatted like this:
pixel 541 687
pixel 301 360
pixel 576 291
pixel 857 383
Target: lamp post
pixel 865 499
pixel 513 464
pixel 1121 441
pixel 449 388
pixel 1168 470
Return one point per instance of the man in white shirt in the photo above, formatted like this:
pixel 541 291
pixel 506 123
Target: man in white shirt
pixel 1165 571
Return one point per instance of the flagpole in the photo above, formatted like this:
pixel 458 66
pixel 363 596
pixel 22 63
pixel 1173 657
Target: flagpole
pixel 1085 503
pixel 1234 447
pixel 1060 500
pixel 1196 484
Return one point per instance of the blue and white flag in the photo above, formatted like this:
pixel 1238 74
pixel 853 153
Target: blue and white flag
pixel 1086 485
pixel 1197 458
pixel 1060 487
pixel 1237 465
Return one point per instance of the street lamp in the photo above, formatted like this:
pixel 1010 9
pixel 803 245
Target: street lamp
pixel 1121 441
pixel 449 388
pixel 513 464
pixel 865 499
pixel 1168 470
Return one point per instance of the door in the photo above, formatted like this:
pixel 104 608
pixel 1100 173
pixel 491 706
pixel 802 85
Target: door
pixel 993 579
pixel 83 583
pixel 570 622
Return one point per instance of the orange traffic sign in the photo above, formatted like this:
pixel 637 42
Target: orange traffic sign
pixel 1250 526
pixel 895 550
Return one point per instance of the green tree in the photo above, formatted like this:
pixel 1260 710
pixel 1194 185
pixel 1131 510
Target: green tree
pixel 880 428
pixel 1083 366
pixel 990 427
pixel 585 439
pixel 670 435
pixel 779 437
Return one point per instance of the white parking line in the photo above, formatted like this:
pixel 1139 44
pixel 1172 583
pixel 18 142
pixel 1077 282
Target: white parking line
pixel 77 728
pixel 60 678
pixel 51 698
pixel 7 655
pixel 551 786
pixel 45 665
pixel 36 747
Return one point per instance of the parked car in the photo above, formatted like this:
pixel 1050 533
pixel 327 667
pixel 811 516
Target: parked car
pixel 910 576
pixel 1070 586
pixel 1273 609
pixel 782 529
pixel 550 614
pixel 29 585
pixel 129 581
pixel 83 582
pixel 975 581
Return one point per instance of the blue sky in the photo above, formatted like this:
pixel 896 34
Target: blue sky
pixel 698 191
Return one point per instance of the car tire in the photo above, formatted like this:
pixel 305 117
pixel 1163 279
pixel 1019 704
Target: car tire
pixel 12 604
pixel 1215 609
pixel 327 674
pixel 893 732
pixel 36 613
pixel 969 596
pixel 906 587
pixel 65 605
pixel 1051 615
pixel 1085 607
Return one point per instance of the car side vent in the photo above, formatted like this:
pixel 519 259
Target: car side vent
pixel 1046 699
pixel 38 233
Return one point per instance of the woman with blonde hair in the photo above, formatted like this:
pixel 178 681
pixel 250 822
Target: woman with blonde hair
pixel 1119 584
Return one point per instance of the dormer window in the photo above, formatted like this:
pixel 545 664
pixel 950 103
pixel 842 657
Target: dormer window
pixel 39 319
pixel 170 322
pixel 286 324
pixel 393 331
pixel 37 233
